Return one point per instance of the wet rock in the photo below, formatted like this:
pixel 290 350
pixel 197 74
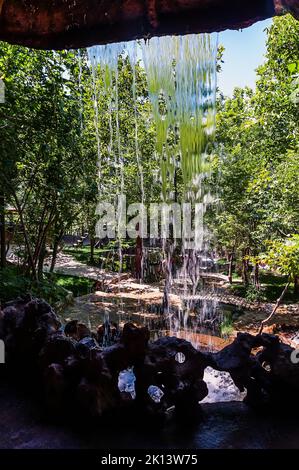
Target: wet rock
pixel 55 387
pixel 181 382
pixel 85 345
pixel 88 342
pixel 282 369
pixel 75 373
pixel 269 376
pixel 107 334
pixel 94 399
pixel 235 356
pixel 56 350
pixel 76 330
pixel 126 384
pixel 27 323
pixel 117 358
pixel 12 318
pixel 135 340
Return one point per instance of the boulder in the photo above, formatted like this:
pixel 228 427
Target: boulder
pixel 26 324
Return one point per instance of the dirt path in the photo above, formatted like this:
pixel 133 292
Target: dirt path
pixel 66 264
pixel 120 295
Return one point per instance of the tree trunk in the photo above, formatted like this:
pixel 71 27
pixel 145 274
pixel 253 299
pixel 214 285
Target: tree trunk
pixel 92 243
pixel 244 271
pixel 2 231
pixel 296 286
pixel 175 185
pixel 57 240
pixel 256 278
pixel 41 259
pixel 40 235
pixel 138 258
pixel 230 268
pixel 41 250
pixel 26 237
pixel 278 302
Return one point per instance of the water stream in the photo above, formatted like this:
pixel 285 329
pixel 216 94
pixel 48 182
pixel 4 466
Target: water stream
pixel 181 91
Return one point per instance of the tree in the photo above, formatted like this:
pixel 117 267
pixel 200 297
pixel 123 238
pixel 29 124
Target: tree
pixel 283 257
pixel 40 145
pixel 255 167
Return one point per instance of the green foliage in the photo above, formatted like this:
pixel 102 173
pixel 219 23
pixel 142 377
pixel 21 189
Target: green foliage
pixel 61 126
pixel 226 327
pixel 106 258
pixel 256 162
pixel 13 283
pixel 55 124
pixel 77 285
pixel 83 255
pixel 53 288
pixel 40 144
pixel 271 287
pixel 283 256
pixel 252 294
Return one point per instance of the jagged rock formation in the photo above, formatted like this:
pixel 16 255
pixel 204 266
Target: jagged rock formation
pixel 71 24
pixel 76 374
pixel 269 376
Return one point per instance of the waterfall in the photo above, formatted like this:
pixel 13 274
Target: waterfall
pixel 181 83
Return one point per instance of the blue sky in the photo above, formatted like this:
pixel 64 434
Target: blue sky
pixel 244 52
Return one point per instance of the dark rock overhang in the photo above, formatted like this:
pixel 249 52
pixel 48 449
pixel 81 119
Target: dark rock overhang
pixel 57 24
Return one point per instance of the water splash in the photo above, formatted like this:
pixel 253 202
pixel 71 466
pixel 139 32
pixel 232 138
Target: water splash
pixel 126 382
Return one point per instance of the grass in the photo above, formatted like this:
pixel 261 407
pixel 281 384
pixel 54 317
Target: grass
pixel 77 285
pixel 272 286
pixel 226 327
pixel 82 254
pixel 54 288
pixel 222 262
pixel 107 258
